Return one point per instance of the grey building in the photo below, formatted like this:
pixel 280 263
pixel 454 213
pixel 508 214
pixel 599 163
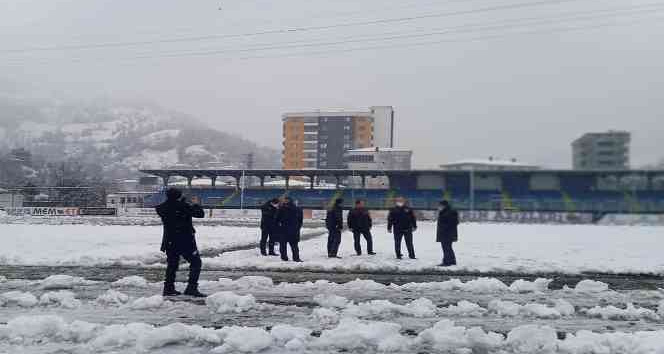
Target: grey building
pixel 597 151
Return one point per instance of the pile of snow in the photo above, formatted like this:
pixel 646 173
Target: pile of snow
pixel 464 308
pixel 479 285
pixel 532 339
pixel 65 299
pixel 447 338
pixel 18 298
pixel 355 335
pixel 226 301
pixel 112 298
pixel 591 286
pixel 62 281
pixel 331 301
pixel 325 316
pixel 244 340
pixel 3 278
pixel 133 281
pixel 148 303
pixel 561 308
pixel 418 308
pixel 630 313
pixel 524 286
pixel 290 337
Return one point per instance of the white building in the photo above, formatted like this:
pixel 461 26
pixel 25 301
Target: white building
pixel 377 158
pixel 490 164
pixel 383 126
pixel 10 199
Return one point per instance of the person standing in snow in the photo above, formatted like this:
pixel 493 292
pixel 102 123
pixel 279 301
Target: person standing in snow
pixel 269 227
pixel 447 233
pixel 289 223
pixel 360 223
pixel 179 240
pixel 402 221
pixel 335 225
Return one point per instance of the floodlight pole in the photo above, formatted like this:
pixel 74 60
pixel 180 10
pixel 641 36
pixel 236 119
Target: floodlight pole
pixel 472 188
pixel 242 191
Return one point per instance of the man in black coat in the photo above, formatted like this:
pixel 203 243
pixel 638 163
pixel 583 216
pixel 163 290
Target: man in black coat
pixel 179 240
pixel 402 220
pixel 289 223
pixel 447 233
pixel 360 223
pixel 335 225
pixel 269 227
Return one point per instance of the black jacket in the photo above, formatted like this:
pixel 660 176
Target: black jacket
pixel 289 221
pixel 179 232
pixel 335 219
pixel 268 217
pixel 401 219
pixel 359 220
pixel 448 220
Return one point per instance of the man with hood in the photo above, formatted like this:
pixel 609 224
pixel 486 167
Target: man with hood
pixel 447 233
pixel 179 240
pixel 402 220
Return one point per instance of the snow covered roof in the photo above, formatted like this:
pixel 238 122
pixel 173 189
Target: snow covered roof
pixel 490 162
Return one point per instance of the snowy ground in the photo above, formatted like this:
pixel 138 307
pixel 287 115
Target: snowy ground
pixel 500 248
pixel 69 314
pixel 88 245
pixel 252 314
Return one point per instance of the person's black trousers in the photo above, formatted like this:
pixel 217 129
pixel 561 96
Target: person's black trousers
pixel 268 240
pixel 333 242
pixel 295 249
pixel 358 245
pixel 408 236
pixel 173 263
pixel 449 258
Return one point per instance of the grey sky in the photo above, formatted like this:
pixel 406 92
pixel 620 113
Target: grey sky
pixel 592 65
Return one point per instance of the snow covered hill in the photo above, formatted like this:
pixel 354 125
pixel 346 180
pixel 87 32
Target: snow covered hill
pixel 122 138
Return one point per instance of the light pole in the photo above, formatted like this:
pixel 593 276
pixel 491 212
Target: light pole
pixel 242 191
pixel 472 189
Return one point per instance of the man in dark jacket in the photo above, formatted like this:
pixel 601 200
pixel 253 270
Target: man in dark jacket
pixel 179 240
pixel 402 220
pixel 359 222
pixel 269 227
pixel 289 222
pixel 335 225
pixel 447 233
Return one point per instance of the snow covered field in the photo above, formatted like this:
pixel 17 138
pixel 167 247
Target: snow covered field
pixel 517 248
pixel 523 249
pixel 26 244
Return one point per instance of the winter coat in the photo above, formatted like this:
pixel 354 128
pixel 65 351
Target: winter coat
pixel 268 217
pixel 335 219
pixel 359 220
pixel 448 220
pixel 401 219
pixel 179 233
pixel 289 222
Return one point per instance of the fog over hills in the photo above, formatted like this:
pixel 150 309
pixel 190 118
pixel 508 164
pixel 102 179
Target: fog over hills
pixel 117 138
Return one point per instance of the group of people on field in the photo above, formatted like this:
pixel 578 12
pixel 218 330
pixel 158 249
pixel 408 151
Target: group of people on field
pixel 281 223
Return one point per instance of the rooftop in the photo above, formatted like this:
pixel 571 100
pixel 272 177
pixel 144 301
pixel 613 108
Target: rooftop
pixel 490 162
pixel 381 149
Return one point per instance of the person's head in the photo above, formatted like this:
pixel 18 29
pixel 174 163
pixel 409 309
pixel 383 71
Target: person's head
pixel 400 202
pixel 288 200
pixel 338 202
pixel 359 203
pixel 274 202
pixel 173 194
pixel 444 204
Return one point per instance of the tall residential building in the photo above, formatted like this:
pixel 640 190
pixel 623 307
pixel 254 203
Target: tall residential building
pixel 597 151
pixel 320 139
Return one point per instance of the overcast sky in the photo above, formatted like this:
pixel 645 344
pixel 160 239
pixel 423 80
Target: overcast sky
pixel 467 78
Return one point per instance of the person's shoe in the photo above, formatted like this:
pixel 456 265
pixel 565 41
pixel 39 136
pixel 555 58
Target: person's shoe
pixel 399 257
pixel 413 257
pixel 372 253
pixel 337 257
pixel 272 254
pixel 298 260
pixel 169 290
pixel 192 290
pixel 263 253
pixel 284 259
